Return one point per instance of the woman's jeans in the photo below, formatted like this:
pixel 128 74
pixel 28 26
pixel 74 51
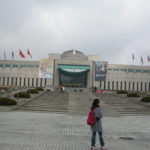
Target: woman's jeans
pixel 93 139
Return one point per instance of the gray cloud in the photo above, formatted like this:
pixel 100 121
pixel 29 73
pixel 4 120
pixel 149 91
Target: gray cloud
pixel 113 29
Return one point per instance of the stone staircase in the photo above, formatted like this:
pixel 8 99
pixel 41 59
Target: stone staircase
pixel 124 105
pixel 48 102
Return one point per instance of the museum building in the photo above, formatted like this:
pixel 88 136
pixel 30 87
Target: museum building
pixel 74 69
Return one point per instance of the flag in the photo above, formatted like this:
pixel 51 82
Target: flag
pixel 133 56
pixel 148 58
pixel 4 55
pixel 29 54
pixel 21 54
pixel 12 54
pixel 141 60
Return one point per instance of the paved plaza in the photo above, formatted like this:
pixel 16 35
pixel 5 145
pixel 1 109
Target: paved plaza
pixel 45 131
pixel 35 127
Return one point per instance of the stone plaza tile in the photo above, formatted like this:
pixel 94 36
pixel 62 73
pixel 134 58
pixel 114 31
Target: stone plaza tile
pixel 45 131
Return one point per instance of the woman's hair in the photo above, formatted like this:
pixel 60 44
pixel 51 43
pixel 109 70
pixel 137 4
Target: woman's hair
pixel 95 104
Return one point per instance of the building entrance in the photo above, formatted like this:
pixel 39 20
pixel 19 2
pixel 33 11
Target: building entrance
pixel 73 75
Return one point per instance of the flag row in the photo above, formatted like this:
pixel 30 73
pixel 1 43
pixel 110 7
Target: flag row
pixel 148 59
pixel 20 53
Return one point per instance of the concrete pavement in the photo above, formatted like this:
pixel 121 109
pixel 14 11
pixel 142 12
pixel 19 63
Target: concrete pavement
pixel 45 131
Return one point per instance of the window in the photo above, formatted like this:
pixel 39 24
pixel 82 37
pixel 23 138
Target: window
pixel 22 66
pixel 45 82
pixel 138 70
pixel 137 86
pixel 130 70
pixel 133 86
pixel 108 85
pixel 146 71
pixel 15 66
pixel 37 66
pixel 31 66
pixel 121 85
pixel 115 69
pixel 28 81
pixel 3 80
pixel 7 65
pixel 16 81
pixel 1 65
pixel 125 85
pixel 125 70
pixel 41 83
pixel 104 85
pixel 12 80
pixel 37 82
pixel 7 81
pixel 129 86
pixel 32 82
pixel 20 81
pixel 112 85
pixel 141 86
pixel 117 85
pixel 24 82
pixel 109 69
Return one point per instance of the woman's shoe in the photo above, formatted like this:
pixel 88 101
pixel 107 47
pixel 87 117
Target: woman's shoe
pixel 104 147
pixel 93 148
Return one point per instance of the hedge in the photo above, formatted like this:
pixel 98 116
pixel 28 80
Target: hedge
pixel 32 91
pixel 122 92
pixel 133 94
pixel 7 101
pixel 22 95
pixel 39 88
pixel 146 99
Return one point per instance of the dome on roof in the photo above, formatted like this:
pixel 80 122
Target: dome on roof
pixel 73 55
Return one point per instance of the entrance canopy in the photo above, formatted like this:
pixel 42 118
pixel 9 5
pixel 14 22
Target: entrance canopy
pixel 74 68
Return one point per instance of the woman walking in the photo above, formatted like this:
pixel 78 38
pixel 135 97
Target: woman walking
pixel 97 126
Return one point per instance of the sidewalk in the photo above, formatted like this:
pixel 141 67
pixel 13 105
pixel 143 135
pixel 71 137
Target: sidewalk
pixel 44 131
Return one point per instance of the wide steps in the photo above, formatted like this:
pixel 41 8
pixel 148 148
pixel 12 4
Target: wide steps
pixel 124 105
pixel 48 102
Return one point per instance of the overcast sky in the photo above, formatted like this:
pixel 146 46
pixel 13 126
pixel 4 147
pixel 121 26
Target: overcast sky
pixel 112 29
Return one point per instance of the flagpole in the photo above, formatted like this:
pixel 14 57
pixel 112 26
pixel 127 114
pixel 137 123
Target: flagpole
pixel 4 55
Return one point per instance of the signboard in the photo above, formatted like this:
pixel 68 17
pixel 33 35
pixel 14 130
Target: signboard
pixel 46 68
pixel 100 70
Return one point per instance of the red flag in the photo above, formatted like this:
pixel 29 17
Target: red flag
pixel 29 54
pixel 21 54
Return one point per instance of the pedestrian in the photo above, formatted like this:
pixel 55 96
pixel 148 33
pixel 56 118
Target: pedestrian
pixel 97 126
pixel 63 89
pixel 95 88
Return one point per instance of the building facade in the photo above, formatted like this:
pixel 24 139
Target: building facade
pixel 74 69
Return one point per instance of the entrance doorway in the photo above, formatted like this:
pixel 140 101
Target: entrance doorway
pixel 73 75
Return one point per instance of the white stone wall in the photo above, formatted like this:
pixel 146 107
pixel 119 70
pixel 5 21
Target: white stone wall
pixel 132 81
pixel 25 73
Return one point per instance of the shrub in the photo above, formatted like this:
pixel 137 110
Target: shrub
pixel 122 92
pixel 22 95
pixel 133 94
pixel 7 101
pixel 48 90
pixel 39 88
pixel 146 99
pixel 32 91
